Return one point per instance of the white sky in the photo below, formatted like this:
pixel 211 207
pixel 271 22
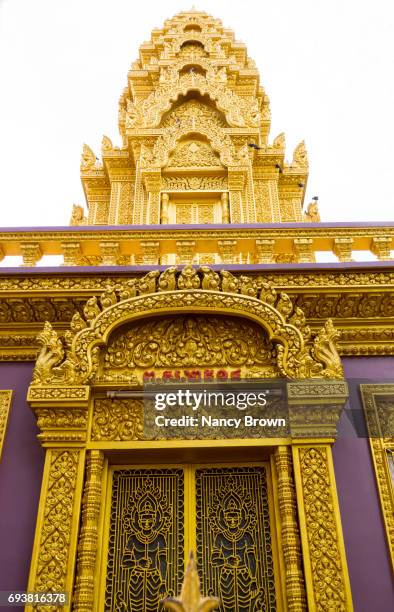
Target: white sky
pixel 327 65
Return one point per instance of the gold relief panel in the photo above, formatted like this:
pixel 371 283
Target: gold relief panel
pixel 378 401
pixel 187 341
pixel 146 539
pixel 117 420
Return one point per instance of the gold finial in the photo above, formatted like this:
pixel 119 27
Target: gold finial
pixel 190 599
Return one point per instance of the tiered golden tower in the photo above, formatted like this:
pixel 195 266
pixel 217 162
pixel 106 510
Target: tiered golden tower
pixel 194 122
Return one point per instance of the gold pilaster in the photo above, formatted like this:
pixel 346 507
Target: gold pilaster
pixel 53 561
pixel 326 574
pixel 88 540
pixel 225 208
pixel 164 208
pixel 291 544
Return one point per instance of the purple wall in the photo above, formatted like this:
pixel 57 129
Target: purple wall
pixel 21 472
pixel 21 468
pixel 365 539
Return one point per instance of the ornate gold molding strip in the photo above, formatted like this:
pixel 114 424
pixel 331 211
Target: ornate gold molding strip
pixel 5 404
pixel 378 401
pixel 295 585
pixel 327 580
pixel 33 245
pixel 53 560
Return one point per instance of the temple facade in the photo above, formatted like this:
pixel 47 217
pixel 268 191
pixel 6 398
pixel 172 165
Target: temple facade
pixel 195 265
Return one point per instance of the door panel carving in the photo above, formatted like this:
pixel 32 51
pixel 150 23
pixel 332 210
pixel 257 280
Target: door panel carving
pixel 146 539
pixel 233 538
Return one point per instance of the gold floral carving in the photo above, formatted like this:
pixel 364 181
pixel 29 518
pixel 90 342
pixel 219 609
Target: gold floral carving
pixel 188 340
pixel 286 325
pixel 295 586
pixel 193 109
pixel 88 539
pixel 5 404
pixel 193 153
pixel 117 420
pixel 195 182
pixel 51 570
pixel 240 112
pixel 325 551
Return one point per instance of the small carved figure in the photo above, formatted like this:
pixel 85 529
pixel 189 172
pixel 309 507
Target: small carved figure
pixel 312 215
pixel 77 215
pixel 146 521
pixel 88 159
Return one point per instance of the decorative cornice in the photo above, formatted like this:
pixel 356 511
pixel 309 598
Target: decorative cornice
pixel 359 302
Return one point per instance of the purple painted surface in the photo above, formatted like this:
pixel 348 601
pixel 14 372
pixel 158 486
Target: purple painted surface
pixel 207 226
pixel 296 267
pixel 363 529
pixel 21 468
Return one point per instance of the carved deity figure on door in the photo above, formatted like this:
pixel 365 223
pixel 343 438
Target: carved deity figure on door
pixel 146 520
pixel 234 553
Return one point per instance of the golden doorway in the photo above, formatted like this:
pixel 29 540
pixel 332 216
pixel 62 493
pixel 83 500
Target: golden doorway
pixel 156 515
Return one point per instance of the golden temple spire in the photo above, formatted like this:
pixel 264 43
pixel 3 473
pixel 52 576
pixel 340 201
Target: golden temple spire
pixel 194 124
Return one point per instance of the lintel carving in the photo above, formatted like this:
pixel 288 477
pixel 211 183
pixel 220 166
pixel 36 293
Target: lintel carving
pixel 75 360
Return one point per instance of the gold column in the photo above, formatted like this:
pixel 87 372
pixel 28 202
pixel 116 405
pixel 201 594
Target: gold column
pixel 152 178
pixel 327 580
pixel 164 209
pixel 225 210
pixel 87 549
pixel 314 412
pixel 236 185
pixel 291 545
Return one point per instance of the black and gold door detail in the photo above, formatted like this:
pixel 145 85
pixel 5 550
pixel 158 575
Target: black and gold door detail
pixel 146 539
pixel 233 538
pixel 158 515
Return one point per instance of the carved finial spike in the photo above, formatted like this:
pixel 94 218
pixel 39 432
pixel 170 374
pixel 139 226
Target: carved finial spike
pixel 300 156
pixel 88 158
pixel 190 599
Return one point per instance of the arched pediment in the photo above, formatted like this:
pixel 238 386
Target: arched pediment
pixel 192 109
pixel 181 346
pixel 187 291
pixel 239 112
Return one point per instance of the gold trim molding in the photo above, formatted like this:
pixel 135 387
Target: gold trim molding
pixel 5 405
pixel 378 402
